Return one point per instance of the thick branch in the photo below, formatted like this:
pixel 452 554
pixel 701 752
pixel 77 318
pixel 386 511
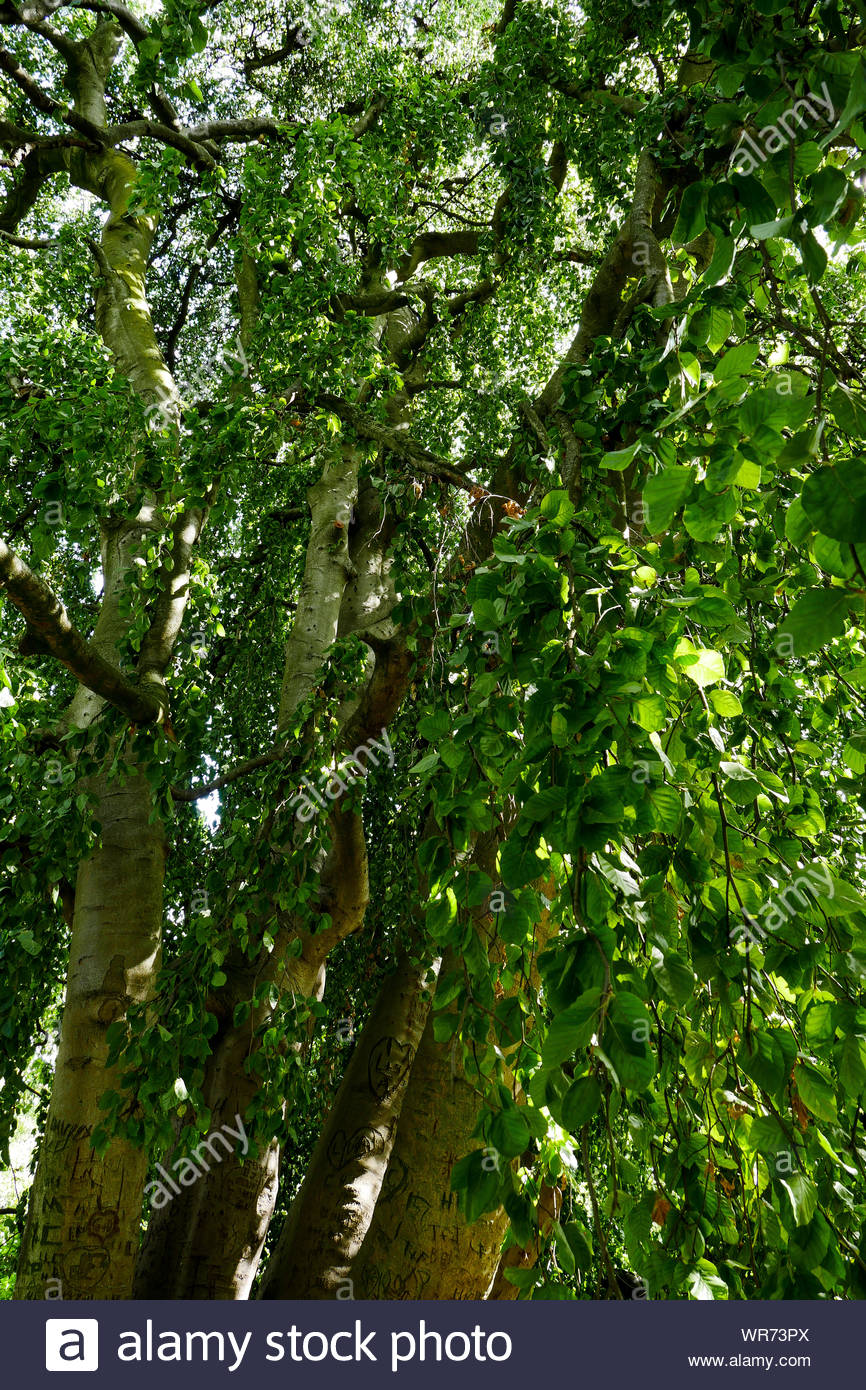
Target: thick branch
pixel 35 169
pixel 241 131
pixel 166 135
pixel 47 617
pixel 430 245
pixel 125 18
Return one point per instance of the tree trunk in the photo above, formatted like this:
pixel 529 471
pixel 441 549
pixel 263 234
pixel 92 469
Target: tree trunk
pixel 84 1215
pixel 418 1245
pixel 346 588
pixel 83 1219
pixel 205 1243
pixel 332 1211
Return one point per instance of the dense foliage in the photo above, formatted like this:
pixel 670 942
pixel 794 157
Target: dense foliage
pixel 615 456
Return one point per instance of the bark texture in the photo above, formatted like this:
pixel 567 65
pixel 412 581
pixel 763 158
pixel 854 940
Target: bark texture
pixel 418 1245
pixel 84 1216
pixel 83 1220
pixel 332 1211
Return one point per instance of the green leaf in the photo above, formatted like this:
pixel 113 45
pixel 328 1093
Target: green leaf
pixel 509 1132
pixel 650 712
pixel 564 1252
pixel 708 513
pixel 722 261
pixel 849 411
pixel 721 328
pixel 852 1066
pixel 818 1023
pixel 620 458
pixel 664 494
pixel 828 189
pixel 442 917
pixel 580 1241
pixel 692 216
pixel 834 499
pixel 705 1284
pixel 841 898
pixel 742 786
pixel 579 1104
pixel 814 257
pixel 712 610
pixel 854 105
pixel 803 1195
pixel 557 508
pixel 775 408
pixel 627 1041
pixel 761 1056
pixel 816 1091
pixel 477 1177
pixel 675 976
pixel 667 808
pixel 725 703
pixel 816 618
pixel 572 1029
pixel 544 804
pixel 736 361
pixel 797 524
pixel 701 664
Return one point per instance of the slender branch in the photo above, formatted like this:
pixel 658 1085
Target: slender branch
pixel 274 755
pixel 397 441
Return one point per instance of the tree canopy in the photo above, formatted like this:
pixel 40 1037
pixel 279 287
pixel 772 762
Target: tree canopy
pixel 432 681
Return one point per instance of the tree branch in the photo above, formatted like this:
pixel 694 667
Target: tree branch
pixel 126 19
pixel 27 243
pixel 165 134
pixel 397 441
pixel 430 245
pixel 274 755
pixel 240 130
pixel 48 620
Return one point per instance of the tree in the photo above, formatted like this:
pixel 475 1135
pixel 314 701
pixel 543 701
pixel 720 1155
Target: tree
pixel 433 691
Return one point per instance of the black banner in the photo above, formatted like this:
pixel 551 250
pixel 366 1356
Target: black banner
pixel 428 1344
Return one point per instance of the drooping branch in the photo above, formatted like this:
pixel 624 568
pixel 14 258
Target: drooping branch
pixel 49 621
